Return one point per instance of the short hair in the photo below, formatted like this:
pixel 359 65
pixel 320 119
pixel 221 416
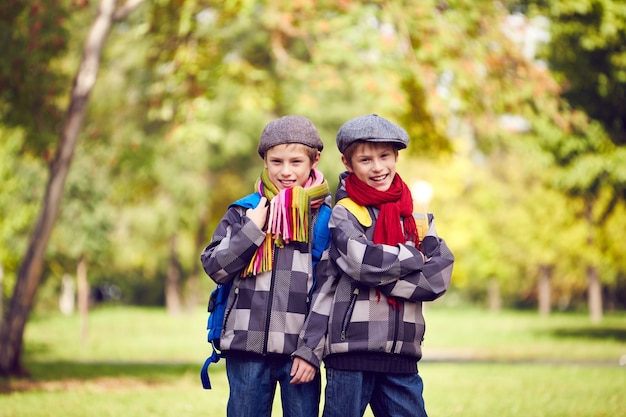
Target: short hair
pixel 310 152
pixel 348 153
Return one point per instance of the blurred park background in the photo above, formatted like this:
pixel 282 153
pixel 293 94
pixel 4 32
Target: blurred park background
pixel 127 127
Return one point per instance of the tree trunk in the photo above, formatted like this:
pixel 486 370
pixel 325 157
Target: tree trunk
pixel 29 273
pixel 83 299
pixel 67 298
pixel 172 282
pixel 1 292
pixel 594 294
pixel 544 290
pixel 594 287
pixel 493 295
pixel 193 290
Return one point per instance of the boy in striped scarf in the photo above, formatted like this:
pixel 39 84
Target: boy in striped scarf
pixel 266 245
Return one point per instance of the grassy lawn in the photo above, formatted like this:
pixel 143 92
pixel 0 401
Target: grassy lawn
pixel 140 362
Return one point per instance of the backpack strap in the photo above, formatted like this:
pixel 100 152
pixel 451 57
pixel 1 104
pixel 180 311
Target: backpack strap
pixel 204 372
pixel 422 220
pixel 321 240
pixel 321 233
pixel 360 212
pixel 215 322
pixel 249 201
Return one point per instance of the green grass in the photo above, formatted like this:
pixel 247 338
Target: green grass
pixel 523 335
pixel 141 362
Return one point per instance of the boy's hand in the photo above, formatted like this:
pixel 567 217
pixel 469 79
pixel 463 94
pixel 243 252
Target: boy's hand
pixel 258 215
pixel 431 247
pixel 302 371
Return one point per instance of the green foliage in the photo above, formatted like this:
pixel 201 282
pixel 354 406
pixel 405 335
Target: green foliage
pixel 588 165
pixel 32 37
pixel 86 217
pixel 588 54
pixel 21 191
pixel 186 87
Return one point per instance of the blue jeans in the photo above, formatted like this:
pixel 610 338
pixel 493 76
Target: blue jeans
pixel 389 395
pixel 253 384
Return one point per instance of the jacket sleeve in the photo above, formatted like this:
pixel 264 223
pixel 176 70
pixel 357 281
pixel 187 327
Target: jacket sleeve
pixel 314 331
pixel 433 279
pixel 397 271
pixel 364 261
pixel 234 242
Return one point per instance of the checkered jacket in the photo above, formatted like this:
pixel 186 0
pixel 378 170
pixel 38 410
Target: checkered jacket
pixel 265 313
pixel 352 313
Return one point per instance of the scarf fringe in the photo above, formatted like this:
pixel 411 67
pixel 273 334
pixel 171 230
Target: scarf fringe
pixel 393 302
pixel 288 218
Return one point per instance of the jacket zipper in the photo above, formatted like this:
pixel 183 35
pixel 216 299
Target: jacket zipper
pixel 269 304
pixel 309 294
pixel 346 319
pixel 396 326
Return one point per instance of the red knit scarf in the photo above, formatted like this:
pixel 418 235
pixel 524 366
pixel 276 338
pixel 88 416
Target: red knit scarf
pixel 395 203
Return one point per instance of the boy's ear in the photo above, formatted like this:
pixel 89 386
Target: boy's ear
pixel 316 160
pixel 346 163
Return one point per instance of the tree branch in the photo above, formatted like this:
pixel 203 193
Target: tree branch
pixel 126 9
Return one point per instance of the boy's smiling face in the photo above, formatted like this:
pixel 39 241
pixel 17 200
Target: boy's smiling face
pixel 374 163
pixel 289 165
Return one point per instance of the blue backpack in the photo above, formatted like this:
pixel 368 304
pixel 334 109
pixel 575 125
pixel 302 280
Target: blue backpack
pixel 216 309
pixel 219 296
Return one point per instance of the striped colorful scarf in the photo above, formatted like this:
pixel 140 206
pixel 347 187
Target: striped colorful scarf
pixel 288 218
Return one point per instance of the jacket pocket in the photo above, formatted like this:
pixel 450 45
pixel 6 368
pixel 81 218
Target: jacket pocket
pixel 348 316
pixel 230 308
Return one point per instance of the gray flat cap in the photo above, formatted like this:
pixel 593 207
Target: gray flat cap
pixel 289 129
pixel 371 128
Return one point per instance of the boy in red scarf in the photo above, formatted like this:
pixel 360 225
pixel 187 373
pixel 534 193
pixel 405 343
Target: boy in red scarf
pixel 265 247
pixel 367 320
